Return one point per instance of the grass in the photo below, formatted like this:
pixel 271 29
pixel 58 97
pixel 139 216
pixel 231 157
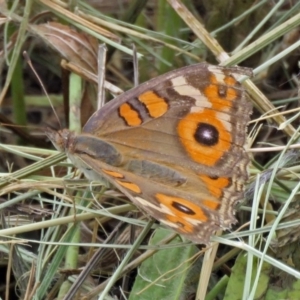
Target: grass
pixel 54 222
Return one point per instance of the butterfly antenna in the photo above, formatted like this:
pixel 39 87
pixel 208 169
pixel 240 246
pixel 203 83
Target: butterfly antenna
pixel 102 51
pixel 28 60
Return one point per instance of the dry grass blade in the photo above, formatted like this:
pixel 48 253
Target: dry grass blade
pixel 66 219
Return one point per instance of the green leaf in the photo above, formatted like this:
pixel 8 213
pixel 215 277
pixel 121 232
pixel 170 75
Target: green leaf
pixel 167 273
pixel 237 279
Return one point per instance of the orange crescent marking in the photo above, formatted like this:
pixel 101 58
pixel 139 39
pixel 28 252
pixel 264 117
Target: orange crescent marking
pixel 130 115
pixel 230 80
pixel 213 205
pixel 215 186
pixel 203 154
pixel 155 105
pixel 185 227
pixel 113 173
pixel 130 186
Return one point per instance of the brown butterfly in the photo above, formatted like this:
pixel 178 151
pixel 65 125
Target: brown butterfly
pixel 175 145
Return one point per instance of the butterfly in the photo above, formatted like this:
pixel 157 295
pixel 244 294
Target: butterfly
pixel 174 145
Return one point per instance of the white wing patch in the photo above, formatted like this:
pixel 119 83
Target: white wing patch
pixel 160 208
pixel 219 75
pixel 181 86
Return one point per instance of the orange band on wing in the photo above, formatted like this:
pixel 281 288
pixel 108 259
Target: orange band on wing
pixel 182 207
pixel 213 205
pixel 182 210
pixel 204 137
pixel 130 186
pixel 113 173
pixel 229 80
pixel 212 92
pixel 184 226
pixel 215 185
pixel 130 115
pixel 156 106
